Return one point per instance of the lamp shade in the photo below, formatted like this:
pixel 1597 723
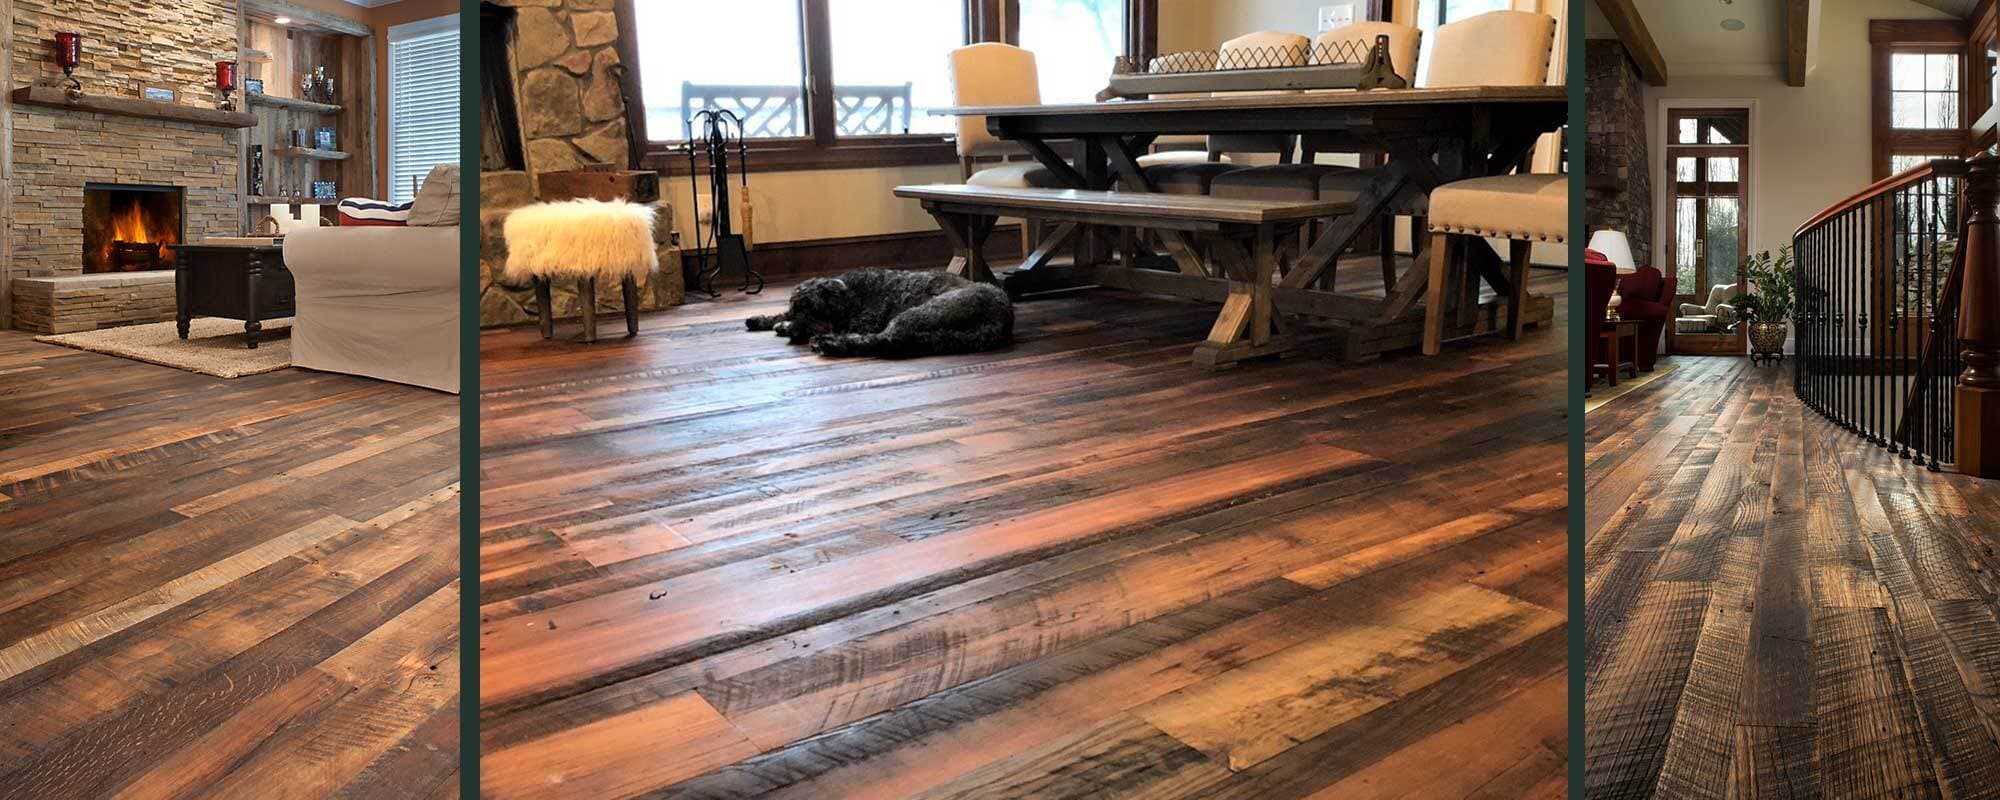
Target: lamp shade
pixel 1615 248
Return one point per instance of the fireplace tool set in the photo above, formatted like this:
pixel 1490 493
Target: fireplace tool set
pixel 725 250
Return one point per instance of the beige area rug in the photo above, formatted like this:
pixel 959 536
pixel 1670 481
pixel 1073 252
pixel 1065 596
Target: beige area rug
pixel 214 346
pixel 1599 395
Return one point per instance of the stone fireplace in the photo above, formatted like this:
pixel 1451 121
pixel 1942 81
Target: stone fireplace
pixel 130 228
pixel 78 176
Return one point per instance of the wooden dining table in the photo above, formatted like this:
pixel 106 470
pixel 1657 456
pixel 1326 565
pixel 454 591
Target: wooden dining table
pixel 1431 137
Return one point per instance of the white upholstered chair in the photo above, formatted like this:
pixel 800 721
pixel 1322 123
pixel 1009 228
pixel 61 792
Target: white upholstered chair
pixel 996 74
pixel 1522 209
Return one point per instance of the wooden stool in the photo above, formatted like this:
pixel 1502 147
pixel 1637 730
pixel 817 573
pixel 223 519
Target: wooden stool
pixel 1523 209
pixel 584 240
pixel 587 288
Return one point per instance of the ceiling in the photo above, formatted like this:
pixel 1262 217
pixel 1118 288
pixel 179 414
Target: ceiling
pixel 1956 8
pixel 1690 34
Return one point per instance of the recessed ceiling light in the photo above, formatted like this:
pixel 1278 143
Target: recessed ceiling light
pixel 1732 24
pixel 288 21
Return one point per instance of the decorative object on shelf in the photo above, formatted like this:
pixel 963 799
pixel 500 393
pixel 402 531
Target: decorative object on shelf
pixel 316 86
pixel 69 54
pixel 225 82
pixel 323 139
pixel 324 190
pixel 253 86
pixel 160 94
pixel 299 138
pixel 257 169
pixel 1618 250
pixel 1768 305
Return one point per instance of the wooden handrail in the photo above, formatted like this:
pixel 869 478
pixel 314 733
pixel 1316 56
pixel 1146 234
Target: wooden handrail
pixel 1950 167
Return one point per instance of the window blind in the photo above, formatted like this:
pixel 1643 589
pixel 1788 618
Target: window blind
pixel 423 102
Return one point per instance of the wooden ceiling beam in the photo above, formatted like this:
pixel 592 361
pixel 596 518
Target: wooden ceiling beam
pixel 1798 38
pixel 1631 28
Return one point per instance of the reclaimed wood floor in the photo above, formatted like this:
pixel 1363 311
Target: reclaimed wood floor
pixel 224 588
pixel 1777 608
pixel 716 566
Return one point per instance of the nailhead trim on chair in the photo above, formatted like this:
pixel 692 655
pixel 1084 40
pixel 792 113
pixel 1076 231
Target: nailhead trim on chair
pixel 1465 231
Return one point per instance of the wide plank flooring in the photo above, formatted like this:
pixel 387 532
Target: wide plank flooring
pixel 713 565
pixel 224 588
pixel 1777 608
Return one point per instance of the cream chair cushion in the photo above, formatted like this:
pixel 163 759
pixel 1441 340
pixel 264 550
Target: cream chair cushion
pixel 1497 48
pixel 1263 49
pixel 1176 157
pixel 1530 207
pixel 1404 42
pixel 1018 175
pixel 990 74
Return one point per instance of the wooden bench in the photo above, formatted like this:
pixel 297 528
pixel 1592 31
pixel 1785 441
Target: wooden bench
pixel 1240 237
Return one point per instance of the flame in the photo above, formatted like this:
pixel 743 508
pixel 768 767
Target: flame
pixel 131 224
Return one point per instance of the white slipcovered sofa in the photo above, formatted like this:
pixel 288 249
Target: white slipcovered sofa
pixel 377 301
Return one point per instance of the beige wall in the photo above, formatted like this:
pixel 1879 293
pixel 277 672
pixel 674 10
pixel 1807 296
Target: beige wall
pixel 1810 146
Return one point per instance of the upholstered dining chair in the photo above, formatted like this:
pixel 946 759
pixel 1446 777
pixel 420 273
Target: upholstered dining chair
pixel 1522 209
pixel 996 74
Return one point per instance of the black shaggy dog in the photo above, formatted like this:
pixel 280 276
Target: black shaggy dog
pixel 894 314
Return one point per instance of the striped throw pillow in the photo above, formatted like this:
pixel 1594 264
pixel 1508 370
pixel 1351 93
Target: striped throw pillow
pixel 361 211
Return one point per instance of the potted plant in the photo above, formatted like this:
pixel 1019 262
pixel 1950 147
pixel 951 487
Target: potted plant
pixel 1767 307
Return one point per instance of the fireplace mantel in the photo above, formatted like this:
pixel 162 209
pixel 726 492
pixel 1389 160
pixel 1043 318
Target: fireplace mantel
pixel 57 97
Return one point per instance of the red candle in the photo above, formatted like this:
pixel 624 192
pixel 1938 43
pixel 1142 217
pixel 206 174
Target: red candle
pixel 69 50
pixel 225 74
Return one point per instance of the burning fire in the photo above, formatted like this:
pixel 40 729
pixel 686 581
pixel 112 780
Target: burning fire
pixel 130 224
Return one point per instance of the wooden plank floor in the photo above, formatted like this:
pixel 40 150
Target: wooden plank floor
pixel 1779 609
pixel 716 566
pixel 224 588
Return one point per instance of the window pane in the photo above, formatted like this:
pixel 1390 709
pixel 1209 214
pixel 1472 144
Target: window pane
pixel 1941 72
pixel 1685 221
pixel 1721 230
pixel 889 61
pixel 1684 170
pixel 1074 42
pixel 423 102
pixel 700 55
pixel 1722 169
pixel 1689 132
pixel 1906 109
pixel 1716 134
pixel 1899 163
pixel 1906 71
pixel 1941 109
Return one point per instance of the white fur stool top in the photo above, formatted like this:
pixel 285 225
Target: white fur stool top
pixel 580 239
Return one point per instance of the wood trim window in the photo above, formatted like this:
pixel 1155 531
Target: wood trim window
pixel 1920 97
pixel 819 122
pixel 1982 53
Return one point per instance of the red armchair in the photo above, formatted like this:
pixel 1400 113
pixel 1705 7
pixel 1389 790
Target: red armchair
pixel 1647 296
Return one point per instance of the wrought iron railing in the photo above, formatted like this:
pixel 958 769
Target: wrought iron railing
pixel 1877 318
pixel 779 110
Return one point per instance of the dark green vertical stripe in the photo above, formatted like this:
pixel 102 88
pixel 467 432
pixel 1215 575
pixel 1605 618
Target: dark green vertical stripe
pixel 1579 376
pixel 468 402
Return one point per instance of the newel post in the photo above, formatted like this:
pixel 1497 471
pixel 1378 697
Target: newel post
pixel 1977 431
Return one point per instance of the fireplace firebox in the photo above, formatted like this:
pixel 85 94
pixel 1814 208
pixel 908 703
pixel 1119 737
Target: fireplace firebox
pixel 129 227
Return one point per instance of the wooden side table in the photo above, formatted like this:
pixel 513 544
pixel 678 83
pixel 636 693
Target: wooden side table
pixel 246 282
pixel 1620 339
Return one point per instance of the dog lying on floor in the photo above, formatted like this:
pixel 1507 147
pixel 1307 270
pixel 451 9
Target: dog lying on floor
pixel 894 314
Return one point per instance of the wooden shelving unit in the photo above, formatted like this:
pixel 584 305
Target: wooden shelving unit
pixel 307 152
pixel 292 103
pixel 280 55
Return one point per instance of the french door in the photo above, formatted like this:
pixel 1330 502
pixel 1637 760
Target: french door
pixel 1708 210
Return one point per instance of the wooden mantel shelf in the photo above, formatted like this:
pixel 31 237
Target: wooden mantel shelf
pixel 55 97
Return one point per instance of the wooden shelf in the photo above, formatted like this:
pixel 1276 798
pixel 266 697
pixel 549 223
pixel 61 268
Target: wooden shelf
pixel 278 200
pixel 307 152
pixel 291 103
pixel 250 56
pixel 56 97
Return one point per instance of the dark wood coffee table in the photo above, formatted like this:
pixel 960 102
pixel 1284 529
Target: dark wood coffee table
pixel 236 281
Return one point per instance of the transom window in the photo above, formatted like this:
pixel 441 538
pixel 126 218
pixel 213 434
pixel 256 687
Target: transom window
pixel 1924 90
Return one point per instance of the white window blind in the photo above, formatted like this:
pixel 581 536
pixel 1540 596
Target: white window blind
pixel 423 102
